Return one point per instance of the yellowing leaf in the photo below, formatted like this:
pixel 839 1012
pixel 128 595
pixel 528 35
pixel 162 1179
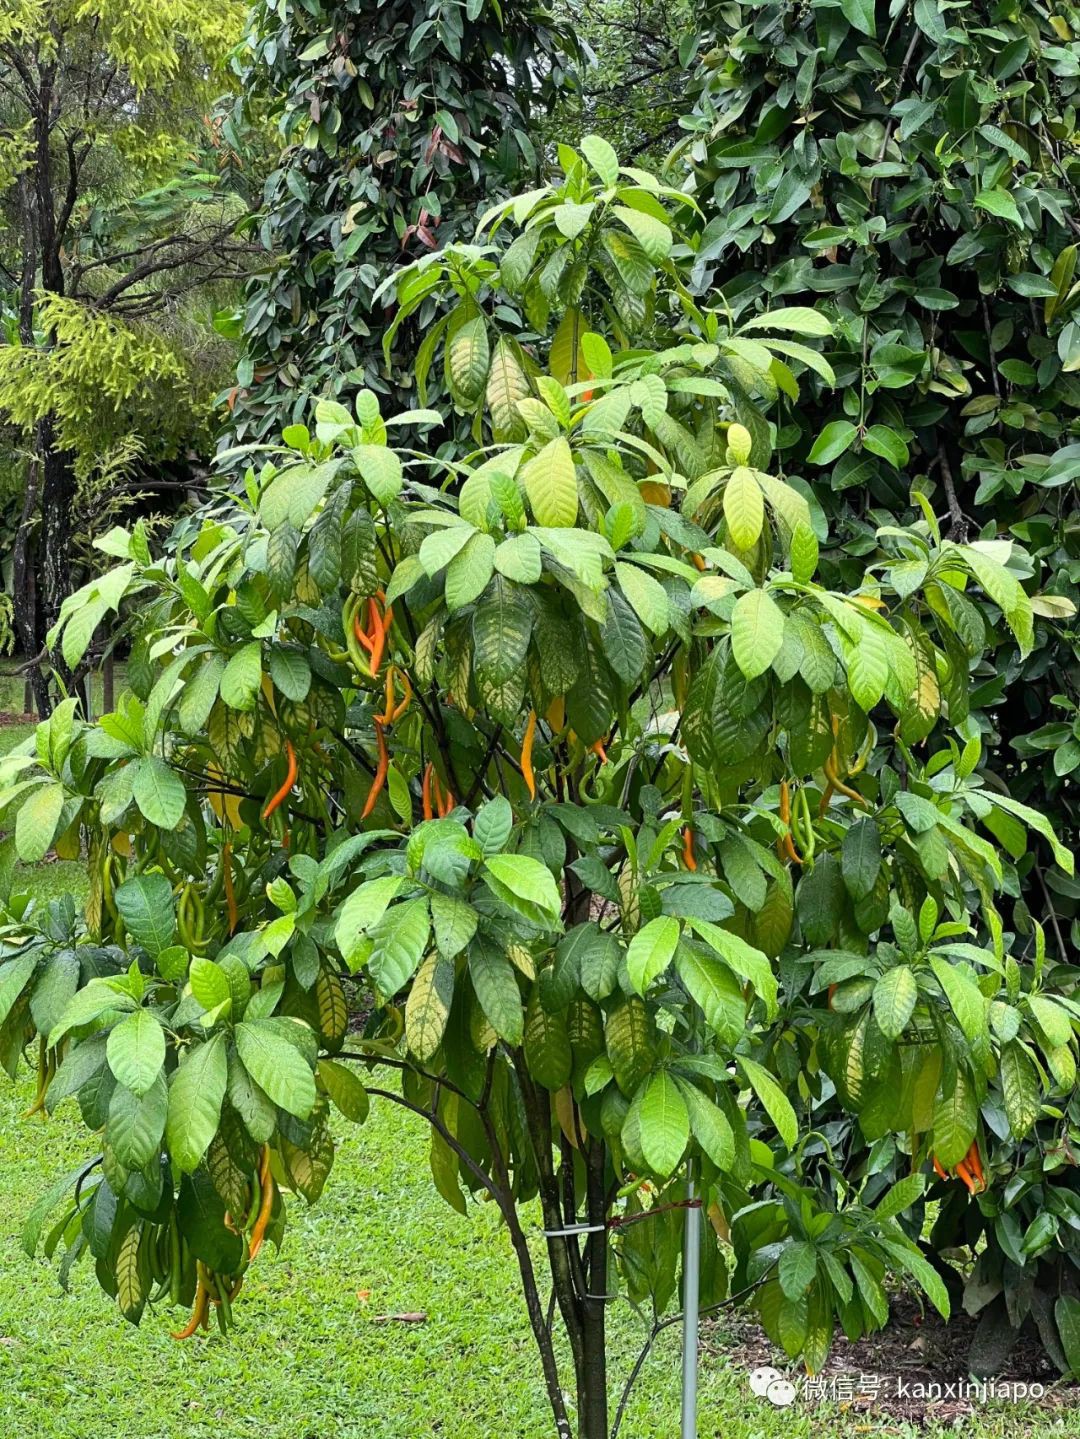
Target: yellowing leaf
pixel 744 507
pixel 550 482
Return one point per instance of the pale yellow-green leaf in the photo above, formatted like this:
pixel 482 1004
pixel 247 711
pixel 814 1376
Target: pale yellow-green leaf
pixel 550 482
pixel 744 507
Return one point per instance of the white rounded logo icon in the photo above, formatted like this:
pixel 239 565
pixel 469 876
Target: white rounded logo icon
pixel 781 1392
pixel 762 1378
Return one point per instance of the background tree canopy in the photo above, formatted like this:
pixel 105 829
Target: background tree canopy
pixel 395 120
pixel 113 233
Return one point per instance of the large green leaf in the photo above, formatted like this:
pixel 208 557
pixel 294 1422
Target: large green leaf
pixel 647 597
pixel 602 157
pixel 199 693
pixel 502 624
pixel 652 234
pixel 1020 1088
pixel 136 1051
pixel 14 976
pixel 1006 592
pixel 955 1117
pixel 159 792
pixel 744 507
pixel 861 15
pixel 836 438
pixel 894 1000
pixel 651 951
pixel 196 1091
pixel 550 482
pixel 468 358
pixel 746 961
pixel 277 1066
pixel 136 1123
pixel 209 984
pixel 757 632
pixel 774 1101
pixel 519 881
pixel 241 677
pixel 907 1257
pixel 965 998
pixel 294 494
pixel 35 824
pixel 1067 1317
pixel 427 1009
pixel 710 1126
pixel 860 858
pixel 364 908
pixel 495 981
pixel 145 903
pixel 798 1268
pixel 345 1089
pixel 547 1045
pixel 453 922
pixel 665 1124
pixel 400 938
pixel 469 571
pixel 716 990
pixel 903 1194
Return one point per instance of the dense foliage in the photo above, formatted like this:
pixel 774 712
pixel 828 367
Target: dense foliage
pixel 911 172
pixel 653 760
pixel 631 838
pixel 112 233
pixel 395 119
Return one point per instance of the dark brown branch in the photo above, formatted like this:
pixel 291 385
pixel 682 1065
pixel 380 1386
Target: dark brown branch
pixel 173 253
pixel 75 164
pixel 958 526
pixel 388 1062
pixel 478 782
pixel 538 1118
pixel 501 1193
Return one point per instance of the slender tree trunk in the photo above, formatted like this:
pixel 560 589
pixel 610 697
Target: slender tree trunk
pixel 108 684
pixel 28 627
pixel 41 557
pixel 57 498
pixel 43 544
pixel 24 583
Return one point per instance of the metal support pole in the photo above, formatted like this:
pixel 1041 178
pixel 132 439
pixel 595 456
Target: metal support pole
pixel 691 1268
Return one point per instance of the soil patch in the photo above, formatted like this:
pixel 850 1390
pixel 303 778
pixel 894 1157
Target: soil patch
pixel 912 1371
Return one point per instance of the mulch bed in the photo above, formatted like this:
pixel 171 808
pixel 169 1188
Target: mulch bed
pixel 875 1376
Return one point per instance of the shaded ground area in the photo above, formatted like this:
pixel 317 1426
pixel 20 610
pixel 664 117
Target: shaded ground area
pixel 912 1375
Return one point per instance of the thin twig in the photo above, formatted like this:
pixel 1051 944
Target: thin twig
pixel 1052 912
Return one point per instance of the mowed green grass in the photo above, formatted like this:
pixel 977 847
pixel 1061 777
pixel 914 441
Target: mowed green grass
pixel 307 1356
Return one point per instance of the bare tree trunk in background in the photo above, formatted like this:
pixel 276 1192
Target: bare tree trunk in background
pixel 57 499
pixel 24 588
pixel 28 628
pixel 42 551
pixel 108 684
